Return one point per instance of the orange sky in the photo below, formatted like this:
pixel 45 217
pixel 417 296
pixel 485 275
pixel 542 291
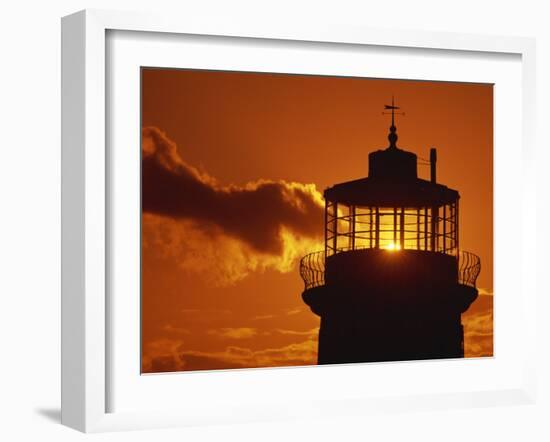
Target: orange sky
pixel 220 286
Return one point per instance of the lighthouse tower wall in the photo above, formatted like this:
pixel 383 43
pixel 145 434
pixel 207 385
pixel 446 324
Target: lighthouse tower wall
pixel 379 305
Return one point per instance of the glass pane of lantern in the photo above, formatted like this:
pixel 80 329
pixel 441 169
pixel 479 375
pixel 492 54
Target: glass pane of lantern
pixel 441 232
pixel 331 228
pixel 411 229
pixel 364 226
pixel 388 229
pixel 344 227
pixel 450 228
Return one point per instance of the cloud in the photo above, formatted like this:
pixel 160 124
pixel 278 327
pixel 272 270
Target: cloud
pixel 295 311
pixel 177 330
pixel 484 292
pixel 220 259
pixel 263 317
pixel 205 311
pixel 478 327
pixel 226 231
pixel 256 213
pixel 234 333
pixel 301 353
pixel 313 333
pixel 181 359
pixel 161 356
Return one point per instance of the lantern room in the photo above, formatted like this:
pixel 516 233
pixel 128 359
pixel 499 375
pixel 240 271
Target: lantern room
pixel 392 209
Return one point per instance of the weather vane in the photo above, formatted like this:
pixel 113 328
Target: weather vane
pixel 393 108
pixel 392 137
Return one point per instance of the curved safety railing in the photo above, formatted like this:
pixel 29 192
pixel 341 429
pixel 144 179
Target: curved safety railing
pixel 312 269
pixel 469 266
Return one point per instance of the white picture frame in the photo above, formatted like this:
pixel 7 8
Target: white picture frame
pixel 86 353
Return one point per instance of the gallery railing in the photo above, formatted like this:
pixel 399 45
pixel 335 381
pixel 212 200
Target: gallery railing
pixel 469 266
pixel 312 269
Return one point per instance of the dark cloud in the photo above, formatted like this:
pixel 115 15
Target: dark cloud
pixel 257 213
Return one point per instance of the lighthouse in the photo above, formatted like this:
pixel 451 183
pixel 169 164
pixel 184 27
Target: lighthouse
pixel 392 282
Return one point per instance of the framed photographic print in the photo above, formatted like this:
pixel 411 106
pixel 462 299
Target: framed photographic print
pixel 384 277
pixel 292 222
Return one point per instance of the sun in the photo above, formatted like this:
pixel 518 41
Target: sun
pixel 393 247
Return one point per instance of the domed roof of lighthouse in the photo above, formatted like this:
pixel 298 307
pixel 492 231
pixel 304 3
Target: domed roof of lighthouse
pixel 392 180
pixel 392 163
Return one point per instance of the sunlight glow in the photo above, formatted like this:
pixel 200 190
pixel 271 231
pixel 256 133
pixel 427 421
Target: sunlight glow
pixel 392 247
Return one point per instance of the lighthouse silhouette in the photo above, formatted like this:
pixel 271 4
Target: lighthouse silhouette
pixel 392 282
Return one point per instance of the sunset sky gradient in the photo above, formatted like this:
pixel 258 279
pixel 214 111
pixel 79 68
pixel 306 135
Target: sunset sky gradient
pixel 233 170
